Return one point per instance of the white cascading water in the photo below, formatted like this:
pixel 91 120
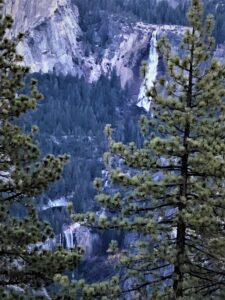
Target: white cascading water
pixel 151 74
pixel 67 238
pixel 69 235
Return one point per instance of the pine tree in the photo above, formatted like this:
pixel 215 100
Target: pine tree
pixel 171 191
pixel 24 265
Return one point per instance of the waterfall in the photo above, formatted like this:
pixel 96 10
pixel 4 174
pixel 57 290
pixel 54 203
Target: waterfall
pixel 69 235
pixel 151 74
pixel 74 235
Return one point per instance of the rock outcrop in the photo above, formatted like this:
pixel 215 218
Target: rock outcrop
pixel 53 41
pixel 51 34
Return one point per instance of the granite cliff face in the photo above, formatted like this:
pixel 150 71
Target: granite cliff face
pixel 51 33
pixel 28 14
pixel 53 41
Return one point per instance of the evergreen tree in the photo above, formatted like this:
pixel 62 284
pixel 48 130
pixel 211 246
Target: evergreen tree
pixel 171 191
pixel 24 265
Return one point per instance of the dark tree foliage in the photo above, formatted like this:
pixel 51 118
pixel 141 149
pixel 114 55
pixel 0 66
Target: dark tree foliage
pixel 79 113
pixel 24 265
pixel 171 190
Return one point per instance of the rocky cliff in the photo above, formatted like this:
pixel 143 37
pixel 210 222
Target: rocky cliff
pixel 53 41
pixel 51 34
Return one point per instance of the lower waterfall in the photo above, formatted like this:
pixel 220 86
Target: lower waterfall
pixel 69 235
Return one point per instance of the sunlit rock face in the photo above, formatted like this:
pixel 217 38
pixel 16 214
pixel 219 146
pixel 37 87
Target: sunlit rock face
pixel 30 13
pixel 53 41
pixel 51 34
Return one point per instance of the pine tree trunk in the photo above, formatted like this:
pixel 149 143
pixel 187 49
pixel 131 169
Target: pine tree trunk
pixel 181 226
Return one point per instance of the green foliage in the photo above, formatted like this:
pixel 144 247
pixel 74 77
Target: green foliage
pixel 113 246
pixel 80 290
pixel 79 112
pixel 172 188
pixel 24 264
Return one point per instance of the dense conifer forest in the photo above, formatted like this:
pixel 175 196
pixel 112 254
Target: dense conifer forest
pixel 92 14
pixel 149 186
pixel 79 112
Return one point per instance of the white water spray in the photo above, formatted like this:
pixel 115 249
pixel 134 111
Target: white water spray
pixel 151 74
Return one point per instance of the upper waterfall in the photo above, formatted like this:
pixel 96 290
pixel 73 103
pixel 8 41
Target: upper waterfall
pixel 151 74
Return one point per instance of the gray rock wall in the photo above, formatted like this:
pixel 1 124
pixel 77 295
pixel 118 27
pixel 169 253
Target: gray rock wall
pixel 53 41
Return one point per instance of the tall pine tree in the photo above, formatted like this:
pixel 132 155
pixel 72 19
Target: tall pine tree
pixel 24 265
pixel 171 191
